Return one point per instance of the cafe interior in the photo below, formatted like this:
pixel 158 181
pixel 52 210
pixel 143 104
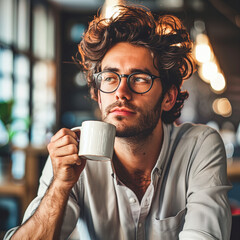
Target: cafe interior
pixel 42 89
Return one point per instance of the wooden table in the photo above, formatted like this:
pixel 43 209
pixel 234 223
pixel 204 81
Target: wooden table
pixel 233 170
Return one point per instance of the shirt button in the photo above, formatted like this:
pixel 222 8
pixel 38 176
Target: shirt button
pixel 140 225
pixel 132 200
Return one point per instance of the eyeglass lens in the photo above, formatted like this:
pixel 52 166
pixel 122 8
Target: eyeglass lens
pixel 138 82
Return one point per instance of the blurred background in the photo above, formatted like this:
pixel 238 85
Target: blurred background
pixel 42 90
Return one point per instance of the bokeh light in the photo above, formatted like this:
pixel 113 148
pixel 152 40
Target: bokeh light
pixel 202 53
pixel 218 83
pixel 222 106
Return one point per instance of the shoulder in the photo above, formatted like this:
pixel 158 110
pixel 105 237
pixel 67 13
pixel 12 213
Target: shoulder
pixel 199 149
pixel 190 130
pixel 190 138
pixel 203 143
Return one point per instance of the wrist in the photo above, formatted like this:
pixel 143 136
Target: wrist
pixel 60 187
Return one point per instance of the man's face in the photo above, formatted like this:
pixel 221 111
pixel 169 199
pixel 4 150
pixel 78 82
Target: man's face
pixel 133 114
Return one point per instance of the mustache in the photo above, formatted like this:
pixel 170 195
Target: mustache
pixel 121 104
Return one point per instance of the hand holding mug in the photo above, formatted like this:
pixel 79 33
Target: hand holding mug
pixel 63 151
pixel 69 156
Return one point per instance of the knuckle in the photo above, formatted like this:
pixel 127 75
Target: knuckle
pixel 72 148
pixel 75 157
pixel 49 146
pixel 63 131
pixel 67 139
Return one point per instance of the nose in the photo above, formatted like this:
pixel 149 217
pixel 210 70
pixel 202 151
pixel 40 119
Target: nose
pixel 123 92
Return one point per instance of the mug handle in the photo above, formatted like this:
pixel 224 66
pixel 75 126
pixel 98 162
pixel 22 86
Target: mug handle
pixel 77 129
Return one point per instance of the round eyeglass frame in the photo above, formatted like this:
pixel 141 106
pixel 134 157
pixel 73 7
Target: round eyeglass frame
pixel 128 76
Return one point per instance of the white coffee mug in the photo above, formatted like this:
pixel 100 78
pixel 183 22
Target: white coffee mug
pixel 96 140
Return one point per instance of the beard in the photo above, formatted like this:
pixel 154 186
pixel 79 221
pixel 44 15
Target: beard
pixel 144 125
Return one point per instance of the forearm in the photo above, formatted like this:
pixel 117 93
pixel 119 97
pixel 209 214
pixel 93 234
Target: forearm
pixel 66 167
pixel 46 222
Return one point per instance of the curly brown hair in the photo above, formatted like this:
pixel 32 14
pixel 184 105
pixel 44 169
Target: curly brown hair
pixel 164 36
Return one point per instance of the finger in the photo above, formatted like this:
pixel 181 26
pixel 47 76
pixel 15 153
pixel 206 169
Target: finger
pixel 64 151
pixel 60 162
pixel 63 141
pixel 83 160
pixel 62 132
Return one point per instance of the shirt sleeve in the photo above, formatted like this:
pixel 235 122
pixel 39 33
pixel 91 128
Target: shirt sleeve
pixel 208 212
pixel 72 208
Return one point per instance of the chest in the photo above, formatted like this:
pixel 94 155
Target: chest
pixel 117 207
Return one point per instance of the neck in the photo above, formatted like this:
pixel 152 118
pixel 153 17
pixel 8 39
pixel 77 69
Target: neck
pixel 139 154
pixel 134 159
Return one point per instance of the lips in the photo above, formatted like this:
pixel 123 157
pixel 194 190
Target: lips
pixel 122 111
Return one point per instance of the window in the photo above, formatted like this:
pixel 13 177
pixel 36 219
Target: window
pixel 27 69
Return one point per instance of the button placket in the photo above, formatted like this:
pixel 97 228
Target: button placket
pixel 140 231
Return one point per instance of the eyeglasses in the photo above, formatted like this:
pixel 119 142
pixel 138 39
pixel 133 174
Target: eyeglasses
pixel 138 82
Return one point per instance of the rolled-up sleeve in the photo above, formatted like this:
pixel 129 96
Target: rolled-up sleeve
pixel 72 208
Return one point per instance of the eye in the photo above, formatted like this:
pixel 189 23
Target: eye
pixel 141 78
pixel 138 79
pixel 109 78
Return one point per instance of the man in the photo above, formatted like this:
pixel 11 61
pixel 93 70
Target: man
pixel 164 181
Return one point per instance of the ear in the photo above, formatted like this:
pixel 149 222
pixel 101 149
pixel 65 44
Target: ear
pixel 169 99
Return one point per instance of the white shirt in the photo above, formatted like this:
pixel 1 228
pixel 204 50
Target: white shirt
pixel 186 199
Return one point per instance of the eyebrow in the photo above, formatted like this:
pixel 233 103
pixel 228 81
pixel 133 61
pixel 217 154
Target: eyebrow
pixel 132 70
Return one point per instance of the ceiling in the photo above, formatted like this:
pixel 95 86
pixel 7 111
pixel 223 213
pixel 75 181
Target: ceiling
pixel 226 6
pixel 76 5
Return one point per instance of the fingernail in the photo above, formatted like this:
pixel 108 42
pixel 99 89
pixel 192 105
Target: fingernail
pixel 79 163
